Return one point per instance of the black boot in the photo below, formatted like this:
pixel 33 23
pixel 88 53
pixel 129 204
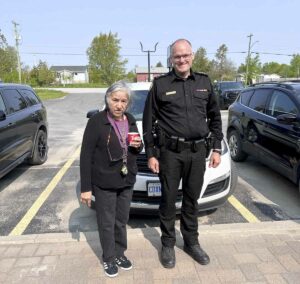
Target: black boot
pixel 168 257
pixel 197 253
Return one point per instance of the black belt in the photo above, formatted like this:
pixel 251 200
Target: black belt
pixel 178 144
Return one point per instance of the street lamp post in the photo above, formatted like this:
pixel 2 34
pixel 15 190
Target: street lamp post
pixel 148 51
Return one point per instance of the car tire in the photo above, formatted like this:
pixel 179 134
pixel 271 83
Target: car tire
pixel 40 150
pixel 235 147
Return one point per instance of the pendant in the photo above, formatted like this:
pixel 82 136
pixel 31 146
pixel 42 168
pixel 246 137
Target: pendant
pixel 124 170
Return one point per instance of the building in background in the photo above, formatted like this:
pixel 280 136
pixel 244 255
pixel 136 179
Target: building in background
pixel 71 74
pixel 142 73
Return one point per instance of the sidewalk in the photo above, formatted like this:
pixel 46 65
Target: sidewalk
pixel 267 252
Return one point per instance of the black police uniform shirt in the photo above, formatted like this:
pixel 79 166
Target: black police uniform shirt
pixel 184 108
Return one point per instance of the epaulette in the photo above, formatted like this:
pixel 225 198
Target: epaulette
pixel 162 76
pixel 201 73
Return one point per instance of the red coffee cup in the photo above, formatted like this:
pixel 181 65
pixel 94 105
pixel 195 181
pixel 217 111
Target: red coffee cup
pixel 132 136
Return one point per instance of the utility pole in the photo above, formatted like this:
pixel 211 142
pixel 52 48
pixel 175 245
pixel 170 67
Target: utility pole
pixel 17 37
pixel 248 58
pixel 148 51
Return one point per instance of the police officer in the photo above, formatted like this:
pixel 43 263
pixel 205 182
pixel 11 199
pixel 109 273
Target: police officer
pixel 181 109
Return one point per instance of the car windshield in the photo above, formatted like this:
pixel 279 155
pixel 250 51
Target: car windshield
pixel 231 85
pixel 137 103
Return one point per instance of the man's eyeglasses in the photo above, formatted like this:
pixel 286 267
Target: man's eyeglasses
pixel 184 57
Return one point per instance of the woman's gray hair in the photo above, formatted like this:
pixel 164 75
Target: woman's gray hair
pixel 115 87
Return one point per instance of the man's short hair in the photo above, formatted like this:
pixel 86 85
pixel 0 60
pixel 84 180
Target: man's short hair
pixel 178 40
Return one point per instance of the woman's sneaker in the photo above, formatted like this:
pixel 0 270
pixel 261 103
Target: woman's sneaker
pixel 123 262
pixel 110 268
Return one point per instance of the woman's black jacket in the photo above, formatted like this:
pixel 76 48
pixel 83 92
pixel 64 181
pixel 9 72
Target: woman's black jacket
pixel 96 166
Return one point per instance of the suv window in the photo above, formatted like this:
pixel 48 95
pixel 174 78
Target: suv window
pixel 2 105
pixel 30 97
pixel 280 103
pixel 258 100
pixel 245 97
pixel 13 100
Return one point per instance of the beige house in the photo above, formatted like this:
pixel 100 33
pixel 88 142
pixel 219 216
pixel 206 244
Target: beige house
pixel 70 74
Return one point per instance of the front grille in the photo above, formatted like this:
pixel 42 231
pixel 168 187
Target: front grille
pixel 232 95
pixel 142 196
pixel 216 188
pixel 142 164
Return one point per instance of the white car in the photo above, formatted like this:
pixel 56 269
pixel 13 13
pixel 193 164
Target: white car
pixel 219 183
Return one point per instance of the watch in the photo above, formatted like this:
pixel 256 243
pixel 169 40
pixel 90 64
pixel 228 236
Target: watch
pixel 217 151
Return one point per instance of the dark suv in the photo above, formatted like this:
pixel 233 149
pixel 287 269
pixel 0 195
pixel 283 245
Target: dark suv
pixel 265 122
pixel 227 92
pixel 23 127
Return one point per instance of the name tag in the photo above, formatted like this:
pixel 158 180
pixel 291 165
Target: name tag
pixel 201 90
pixel 170 93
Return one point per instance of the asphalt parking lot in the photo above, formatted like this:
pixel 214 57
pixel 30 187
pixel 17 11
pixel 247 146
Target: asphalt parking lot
pixel 44 199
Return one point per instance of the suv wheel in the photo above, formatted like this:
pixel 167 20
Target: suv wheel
pixel 40 150
pixel 235 147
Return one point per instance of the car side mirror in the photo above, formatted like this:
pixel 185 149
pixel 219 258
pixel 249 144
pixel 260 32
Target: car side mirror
pixel 287 118
pixel 2 115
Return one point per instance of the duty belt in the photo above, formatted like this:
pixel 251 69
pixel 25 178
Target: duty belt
pixel 179 144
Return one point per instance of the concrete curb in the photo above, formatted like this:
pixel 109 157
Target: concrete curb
pixel 242 229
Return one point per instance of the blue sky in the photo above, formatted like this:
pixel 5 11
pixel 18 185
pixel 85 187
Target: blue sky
pixel 68 27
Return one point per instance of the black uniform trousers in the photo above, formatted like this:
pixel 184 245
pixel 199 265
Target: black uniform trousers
pixel 190 166
pixel 112 208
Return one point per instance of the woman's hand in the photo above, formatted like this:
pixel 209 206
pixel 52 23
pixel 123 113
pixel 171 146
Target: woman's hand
pixel 136 142
pixel 86 198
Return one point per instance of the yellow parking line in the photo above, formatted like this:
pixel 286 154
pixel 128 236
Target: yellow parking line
pixel 22 225
pixel 243 210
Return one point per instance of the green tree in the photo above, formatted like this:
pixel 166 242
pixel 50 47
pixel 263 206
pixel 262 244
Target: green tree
pixel 271 68
pixel 201 63
pixel 131 76
pixel 41 75
pixel 295 66
pixel 105 62
pixel 254 68
pixel 8 61
pixel 159 64
pixel 221 67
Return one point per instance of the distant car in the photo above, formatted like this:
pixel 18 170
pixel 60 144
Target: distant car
pixel 23 127
pixel 227 92
pixel 219 183
pixel 265 122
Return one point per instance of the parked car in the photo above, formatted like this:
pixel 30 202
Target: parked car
pixel 265 122
pixel 219 183
pixel 227 92
pixel 23 127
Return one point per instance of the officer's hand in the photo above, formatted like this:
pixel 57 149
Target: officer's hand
pixel 153 165
pixel 86 198
pixel 215 160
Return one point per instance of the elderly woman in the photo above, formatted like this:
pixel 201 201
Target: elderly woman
pixel 108 168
